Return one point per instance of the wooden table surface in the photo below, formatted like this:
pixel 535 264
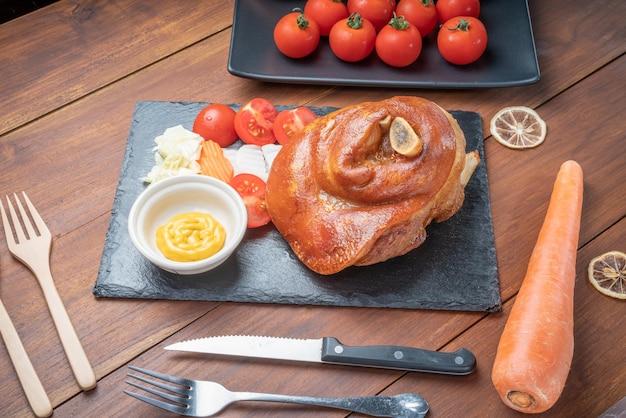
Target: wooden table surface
pixel 70 75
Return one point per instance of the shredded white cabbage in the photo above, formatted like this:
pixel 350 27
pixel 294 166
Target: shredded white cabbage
pixel 176 152
pixel 178 149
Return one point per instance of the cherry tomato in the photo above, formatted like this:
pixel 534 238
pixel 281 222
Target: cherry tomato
pixel 399 43
pixel 378 12
pixel 296 35
pixel 217 123
pixel 254 122
pixel 447 9
pixel 352 39
pixel 420 13
pixel 325 13
pixel 462 40
pixel 290 122
pixel 252 190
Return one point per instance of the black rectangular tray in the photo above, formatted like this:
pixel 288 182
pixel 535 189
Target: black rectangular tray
pixel 510 58
pixel 455 269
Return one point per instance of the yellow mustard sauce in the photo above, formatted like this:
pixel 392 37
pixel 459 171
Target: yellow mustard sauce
pixel 190 236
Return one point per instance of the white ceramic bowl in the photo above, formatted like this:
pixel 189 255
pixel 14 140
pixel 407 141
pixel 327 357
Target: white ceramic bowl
pixel 167 198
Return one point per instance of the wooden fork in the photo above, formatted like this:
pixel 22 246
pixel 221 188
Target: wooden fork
pixel 32 248
pixel 34 390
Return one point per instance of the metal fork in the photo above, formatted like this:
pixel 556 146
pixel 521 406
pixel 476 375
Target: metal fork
pixel 199 398
pixel 32 248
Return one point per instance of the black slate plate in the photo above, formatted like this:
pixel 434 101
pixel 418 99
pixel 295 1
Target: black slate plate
pixel 510 58
pixel 454 270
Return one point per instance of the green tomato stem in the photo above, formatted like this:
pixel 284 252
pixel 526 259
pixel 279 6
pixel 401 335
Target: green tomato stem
pixel 355 21
pixel 462 25
pixel 301 20
pixel 398 22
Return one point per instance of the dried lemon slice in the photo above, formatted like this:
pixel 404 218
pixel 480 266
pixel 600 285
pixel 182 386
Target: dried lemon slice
pixel 607 273
pixel 518 127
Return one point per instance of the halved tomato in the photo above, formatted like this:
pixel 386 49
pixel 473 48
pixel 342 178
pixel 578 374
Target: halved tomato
pixel 291 121
pixel 252 189
pixel 254 122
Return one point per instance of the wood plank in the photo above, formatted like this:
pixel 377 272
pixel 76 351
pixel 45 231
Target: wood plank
pixel 521 181
pixel 81 46
pixel 89 136
pixel 596 379
pixel 85 34
pixel 85 141
pixel 73 184
pixel 303 322
pixel 111 331
pixel 442 325
pixel 351 326
pixel 79 150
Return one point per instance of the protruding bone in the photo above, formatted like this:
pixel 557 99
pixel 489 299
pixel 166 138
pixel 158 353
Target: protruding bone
pixel 404 140
pixel 385 123
pixel 471 162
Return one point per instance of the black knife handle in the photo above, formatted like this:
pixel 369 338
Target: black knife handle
pixel 460 362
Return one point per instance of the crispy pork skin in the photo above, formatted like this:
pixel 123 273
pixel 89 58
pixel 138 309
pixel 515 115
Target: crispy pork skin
pixel 344 193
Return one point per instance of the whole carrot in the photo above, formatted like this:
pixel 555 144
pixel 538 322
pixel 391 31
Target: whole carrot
pixel 536 347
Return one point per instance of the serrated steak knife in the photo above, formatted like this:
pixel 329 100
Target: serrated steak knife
pixel 330 350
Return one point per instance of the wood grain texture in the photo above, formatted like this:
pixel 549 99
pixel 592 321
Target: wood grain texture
pixel 595 381
pixel 69 90
pixel 521 182
pixel 88 44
